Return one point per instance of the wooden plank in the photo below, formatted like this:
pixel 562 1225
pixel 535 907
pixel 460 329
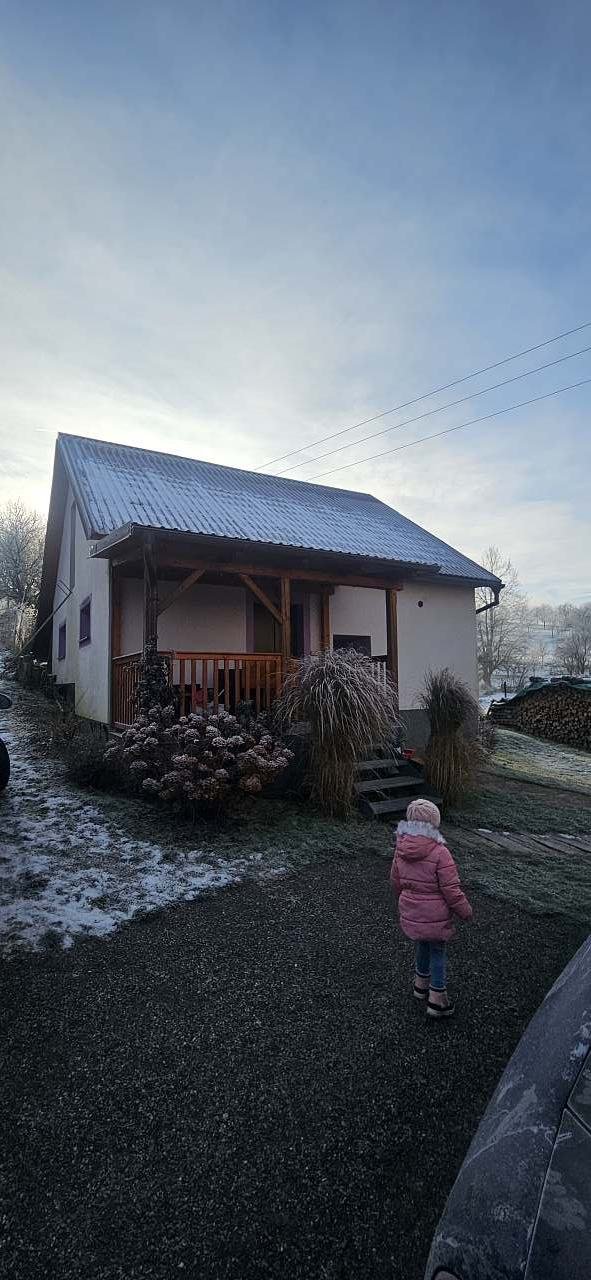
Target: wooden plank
pixel 193 683
pixel 324 619
pixel 396 783
pixel 392 633
pixel 285 619
pixel 180 590
pixel 115 614
pixel 261 595
pixel 268 684
pixel 182 686
pixel 238 682
pixel 226 685
pixel 216 690
pixel 247 673
pixel 150 596
pixel 258 687
pixel 557 844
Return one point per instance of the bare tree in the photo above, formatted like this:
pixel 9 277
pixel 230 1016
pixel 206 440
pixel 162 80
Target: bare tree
pixel 502 631
pixel 573 651
pixel 21 558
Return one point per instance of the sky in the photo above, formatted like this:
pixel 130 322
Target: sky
pixel 228 230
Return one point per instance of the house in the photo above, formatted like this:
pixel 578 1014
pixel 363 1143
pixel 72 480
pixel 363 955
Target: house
pixel 232 573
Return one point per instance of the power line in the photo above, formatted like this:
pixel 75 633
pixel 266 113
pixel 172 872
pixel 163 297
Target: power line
pixel 461 426
pixel 429 413
pixel 436 390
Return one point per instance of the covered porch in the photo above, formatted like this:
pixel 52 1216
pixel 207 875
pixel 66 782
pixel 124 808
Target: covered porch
pixel 229 628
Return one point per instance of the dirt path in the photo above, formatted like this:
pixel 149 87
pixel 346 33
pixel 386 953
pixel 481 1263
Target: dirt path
pixel 242 1087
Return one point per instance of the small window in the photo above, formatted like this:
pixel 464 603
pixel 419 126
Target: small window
pixel 361 643
pixel 61 642
pixel 85 622
pixel 72 545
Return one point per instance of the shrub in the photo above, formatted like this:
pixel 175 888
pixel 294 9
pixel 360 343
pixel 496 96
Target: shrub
pixel 200 762
pixel 87 763
pixel 350 708
pixel 452 758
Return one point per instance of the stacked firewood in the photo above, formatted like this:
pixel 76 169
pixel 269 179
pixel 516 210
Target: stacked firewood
pixel 559 713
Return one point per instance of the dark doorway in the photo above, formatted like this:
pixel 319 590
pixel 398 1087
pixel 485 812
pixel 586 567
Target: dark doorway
pixel 267 632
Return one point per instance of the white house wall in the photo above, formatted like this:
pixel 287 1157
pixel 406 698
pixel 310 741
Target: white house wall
pixel 205 619
pixel 439 633
pixel 85 666
pixel 360 611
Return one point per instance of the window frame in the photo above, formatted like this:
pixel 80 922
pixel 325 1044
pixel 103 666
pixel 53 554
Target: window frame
pixel 85 605
pixel 62 635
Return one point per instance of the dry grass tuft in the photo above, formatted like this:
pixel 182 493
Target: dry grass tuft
pixel 452 759
pixel 350 707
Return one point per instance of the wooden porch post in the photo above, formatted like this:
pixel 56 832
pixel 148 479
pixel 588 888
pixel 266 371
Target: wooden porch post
pixel 285 620
pixel 150 598
pixel 325 618
pixel 392 632
pixel 115 613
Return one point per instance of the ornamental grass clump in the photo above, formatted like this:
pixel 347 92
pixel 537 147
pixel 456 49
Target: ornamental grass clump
pixel 350 707
pixel 201 762
pixel 452 757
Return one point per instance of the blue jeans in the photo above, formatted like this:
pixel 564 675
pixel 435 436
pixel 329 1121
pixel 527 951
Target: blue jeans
pixel 431 962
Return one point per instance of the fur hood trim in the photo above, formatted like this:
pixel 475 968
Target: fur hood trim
pixel 424 829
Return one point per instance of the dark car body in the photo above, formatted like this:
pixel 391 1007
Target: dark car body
pixel 520 1208
pixel 5 702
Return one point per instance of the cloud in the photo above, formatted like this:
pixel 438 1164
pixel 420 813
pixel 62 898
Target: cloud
pixel 230 246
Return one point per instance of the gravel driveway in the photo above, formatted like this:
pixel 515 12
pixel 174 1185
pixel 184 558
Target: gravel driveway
pixel 241 1087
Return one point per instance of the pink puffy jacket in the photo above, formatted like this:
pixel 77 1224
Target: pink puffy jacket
pixel 426 882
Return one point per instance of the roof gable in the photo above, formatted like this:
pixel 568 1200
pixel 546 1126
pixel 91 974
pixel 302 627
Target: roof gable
pixel 117 485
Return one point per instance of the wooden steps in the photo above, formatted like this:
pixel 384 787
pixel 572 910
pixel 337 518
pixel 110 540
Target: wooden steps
pixel 387 783
pixel 395 783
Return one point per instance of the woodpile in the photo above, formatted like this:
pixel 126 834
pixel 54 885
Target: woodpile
pixel 559 712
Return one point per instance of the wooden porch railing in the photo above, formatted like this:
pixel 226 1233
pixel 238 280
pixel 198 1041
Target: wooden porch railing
pixel 206 680
pixel 223 680
pixel 201 680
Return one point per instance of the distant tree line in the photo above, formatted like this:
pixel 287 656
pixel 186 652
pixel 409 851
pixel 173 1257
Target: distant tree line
pixel 518 639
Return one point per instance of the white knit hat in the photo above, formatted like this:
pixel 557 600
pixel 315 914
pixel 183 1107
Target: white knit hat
pixel 423 811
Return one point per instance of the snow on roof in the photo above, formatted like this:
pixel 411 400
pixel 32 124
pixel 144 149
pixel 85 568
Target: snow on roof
pixel 118 485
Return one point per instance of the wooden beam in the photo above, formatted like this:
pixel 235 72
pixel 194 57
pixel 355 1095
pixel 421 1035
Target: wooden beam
pixel 260 594
pixel 180 590
pixel 150 596
pixel 325 619
pixel 392 633
pixel 320 576
pixel 285 619
pixel 115 614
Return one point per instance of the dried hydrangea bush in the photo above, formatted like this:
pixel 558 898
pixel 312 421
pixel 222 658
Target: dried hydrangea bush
pixel 201 761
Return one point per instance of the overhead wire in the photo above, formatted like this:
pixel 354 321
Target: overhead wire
pixel 429 413
pixel 449 430
pixel 456 382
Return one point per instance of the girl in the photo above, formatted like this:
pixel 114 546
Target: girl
pixel 425 879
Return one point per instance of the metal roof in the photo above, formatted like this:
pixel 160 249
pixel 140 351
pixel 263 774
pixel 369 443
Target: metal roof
pixel 117 485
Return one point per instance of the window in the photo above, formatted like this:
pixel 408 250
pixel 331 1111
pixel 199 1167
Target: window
pixel 85 622
pixel 72 545
pixel 361 643
pixel 61 642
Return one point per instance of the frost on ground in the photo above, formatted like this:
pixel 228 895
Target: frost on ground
pixel 69 867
